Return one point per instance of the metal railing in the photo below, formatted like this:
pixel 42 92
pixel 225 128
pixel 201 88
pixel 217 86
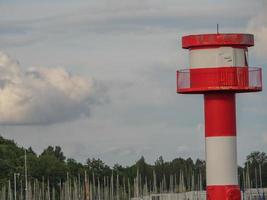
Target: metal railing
pixel 233 78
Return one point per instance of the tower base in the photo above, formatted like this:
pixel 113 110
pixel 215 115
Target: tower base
pixel 225 192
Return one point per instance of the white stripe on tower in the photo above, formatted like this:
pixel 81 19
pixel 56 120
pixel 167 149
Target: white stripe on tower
pixel 221 161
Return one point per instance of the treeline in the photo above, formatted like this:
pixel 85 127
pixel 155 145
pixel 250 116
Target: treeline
pixel 52 165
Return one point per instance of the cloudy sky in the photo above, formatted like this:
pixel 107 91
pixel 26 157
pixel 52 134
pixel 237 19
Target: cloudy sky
pixel 98 77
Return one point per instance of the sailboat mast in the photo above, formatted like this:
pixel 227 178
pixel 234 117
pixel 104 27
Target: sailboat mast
pixel 25 173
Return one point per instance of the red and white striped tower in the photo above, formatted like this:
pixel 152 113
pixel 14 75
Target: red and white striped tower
pixel 219 69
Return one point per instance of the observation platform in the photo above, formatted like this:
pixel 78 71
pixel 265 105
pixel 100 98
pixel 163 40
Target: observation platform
pixel 225 79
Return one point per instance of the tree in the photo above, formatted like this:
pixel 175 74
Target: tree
pixel 57 152
pixel 98 167
pixel 74 168
pixel 50 167
pixel 256 162
pixel 257 157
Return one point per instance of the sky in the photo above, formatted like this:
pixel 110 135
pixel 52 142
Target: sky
pixel 98 77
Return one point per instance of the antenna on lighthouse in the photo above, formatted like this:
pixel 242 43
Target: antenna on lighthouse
pixel 217 28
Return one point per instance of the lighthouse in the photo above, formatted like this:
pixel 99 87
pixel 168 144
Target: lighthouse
pixel 218 69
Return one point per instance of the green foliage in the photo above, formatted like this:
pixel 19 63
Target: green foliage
pixel 74 168
pixel 54 151
pixel 9 158
pixel 98 168
pixel 256 163
pixel 52 165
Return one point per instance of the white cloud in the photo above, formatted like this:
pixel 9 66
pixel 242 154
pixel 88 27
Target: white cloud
pixel 264 137
pixel 200 128
pixel 258 26
pixel 42 95
pixel 182 149
pixel 29 23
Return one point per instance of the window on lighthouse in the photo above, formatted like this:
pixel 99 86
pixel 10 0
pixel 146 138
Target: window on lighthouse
pixel 218 57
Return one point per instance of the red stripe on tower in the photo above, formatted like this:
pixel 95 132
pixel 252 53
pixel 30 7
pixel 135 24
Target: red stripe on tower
pixel 220 114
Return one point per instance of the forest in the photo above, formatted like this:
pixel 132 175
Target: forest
pixel 52 165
